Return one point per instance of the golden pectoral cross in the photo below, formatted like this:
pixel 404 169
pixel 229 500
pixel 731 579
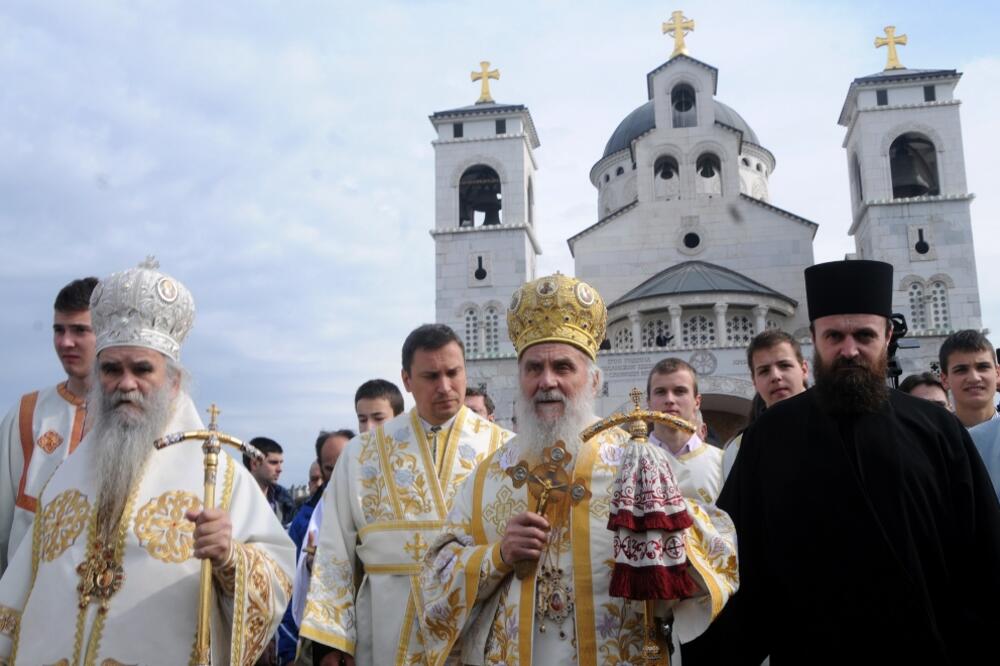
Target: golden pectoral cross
pixel 549 483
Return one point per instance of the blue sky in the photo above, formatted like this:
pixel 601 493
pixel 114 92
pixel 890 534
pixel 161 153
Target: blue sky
pixel 276 158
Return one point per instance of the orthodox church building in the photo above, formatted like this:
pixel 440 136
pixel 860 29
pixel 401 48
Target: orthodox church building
pixel 689 250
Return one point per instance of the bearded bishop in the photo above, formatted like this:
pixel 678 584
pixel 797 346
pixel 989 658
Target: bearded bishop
pixel 517 579
pixel 387 500
pixel 110 573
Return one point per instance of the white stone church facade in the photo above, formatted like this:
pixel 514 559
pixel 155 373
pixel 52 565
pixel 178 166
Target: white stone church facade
pixel 688 250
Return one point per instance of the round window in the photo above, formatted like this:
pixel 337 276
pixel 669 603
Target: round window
pixel 692 240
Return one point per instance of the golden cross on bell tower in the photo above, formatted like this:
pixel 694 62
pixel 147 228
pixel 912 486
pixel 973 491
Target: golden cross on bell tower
pixel 485 75
pixel 680 26
pixel 890 40
pixel 213 412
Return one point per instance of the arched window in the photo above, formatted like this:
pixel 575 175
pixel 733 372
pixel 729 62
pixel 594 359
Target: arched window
pixel 918 308
pixel 656 333
pixel 666 177
pixel 939 306
pixel 479 197
pixel 739 330
pixel 471 330
pixel 698 331
pixel 619 171
pixel 491 330
pixel 913 163
pixel 682 101
pixel 709 170
pixel 623 338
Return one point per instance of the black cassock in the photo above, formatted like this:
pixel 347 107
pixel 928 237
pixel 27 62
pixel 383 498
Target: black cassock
pixel 862 540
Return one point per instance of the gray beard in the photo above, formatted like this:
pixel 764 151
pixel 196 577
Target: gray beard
pixel 123 442
pixel 534 433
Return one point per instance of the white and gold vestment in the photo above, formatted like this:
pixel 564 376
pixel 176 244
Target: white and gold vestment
pixel 35 437
pixel 151 613
pixel 698 470
pixel 386 502
pixel 473 599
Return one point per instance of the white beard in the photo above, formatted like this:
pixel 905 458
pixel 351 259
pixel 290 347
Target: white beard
pixel 123 441
pixel 535 433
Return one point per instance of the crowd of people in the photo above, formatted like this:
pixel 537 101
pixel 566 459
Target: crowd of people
pixel 845 514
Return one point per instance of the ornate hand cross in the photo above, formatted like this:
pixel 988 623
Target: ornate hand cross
pixel 484 76
pixel 891 39
pixel 549 483
pixel 680 26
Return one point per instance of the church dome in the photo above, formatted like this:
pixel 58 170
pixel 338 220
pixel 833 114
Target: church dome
pixel 643 119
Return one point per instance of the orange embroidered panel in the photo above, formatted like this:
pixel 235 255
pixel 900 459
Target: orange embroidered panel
pixel 50 441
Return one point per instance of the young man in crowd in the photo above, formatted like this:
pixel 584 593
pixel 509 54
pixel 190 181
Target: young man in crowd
pixel 672 388
pixel 480 402
pixel 46 426
pixel 778 371
pixel 926 385
pixel 969 370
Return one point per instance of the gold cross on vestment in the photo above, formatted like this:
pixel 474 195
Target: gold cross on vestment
pixel 680 26
pixel 891 39
pixel 416 548
pixel 484 77
pixel 213 413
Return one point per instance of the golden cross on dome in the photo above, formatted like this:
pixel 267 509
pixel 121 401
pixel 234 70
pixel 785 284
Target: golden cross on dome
pixel 680 26
pixel 891 39
pixel 213 412
pixel 484 76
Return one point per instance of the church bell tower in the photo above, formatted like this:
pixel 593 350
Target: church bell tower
pixel 484 231
pixel 910 202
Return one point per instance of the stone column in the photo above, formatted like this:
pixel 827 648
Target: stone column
pixel 675 325
pixel 760 313
pixel 720 323
pixel 636 320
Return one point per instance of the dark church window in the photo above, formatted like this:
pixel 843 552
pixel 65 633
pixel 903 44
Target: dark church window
pixel 930 94
pixel 607 177
pixel 682 101
pixel 479 197
pixel 913 164
pixel 457 130
pixel 921 246
pixel 666 180
pixel 502 126
pixel 666 167
pixel 619 171
pixel 882 97
pixel 691 240
pixel 531 203
pixel 709 170
pixel 859 190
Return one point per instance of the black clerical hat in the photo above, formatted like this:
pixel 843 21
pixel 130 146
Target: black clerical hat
pixel 849 287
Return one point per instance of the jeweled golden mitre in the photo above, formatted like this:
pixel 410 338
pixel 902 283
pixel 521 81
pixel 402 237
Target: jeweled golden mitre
pixel 557 308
